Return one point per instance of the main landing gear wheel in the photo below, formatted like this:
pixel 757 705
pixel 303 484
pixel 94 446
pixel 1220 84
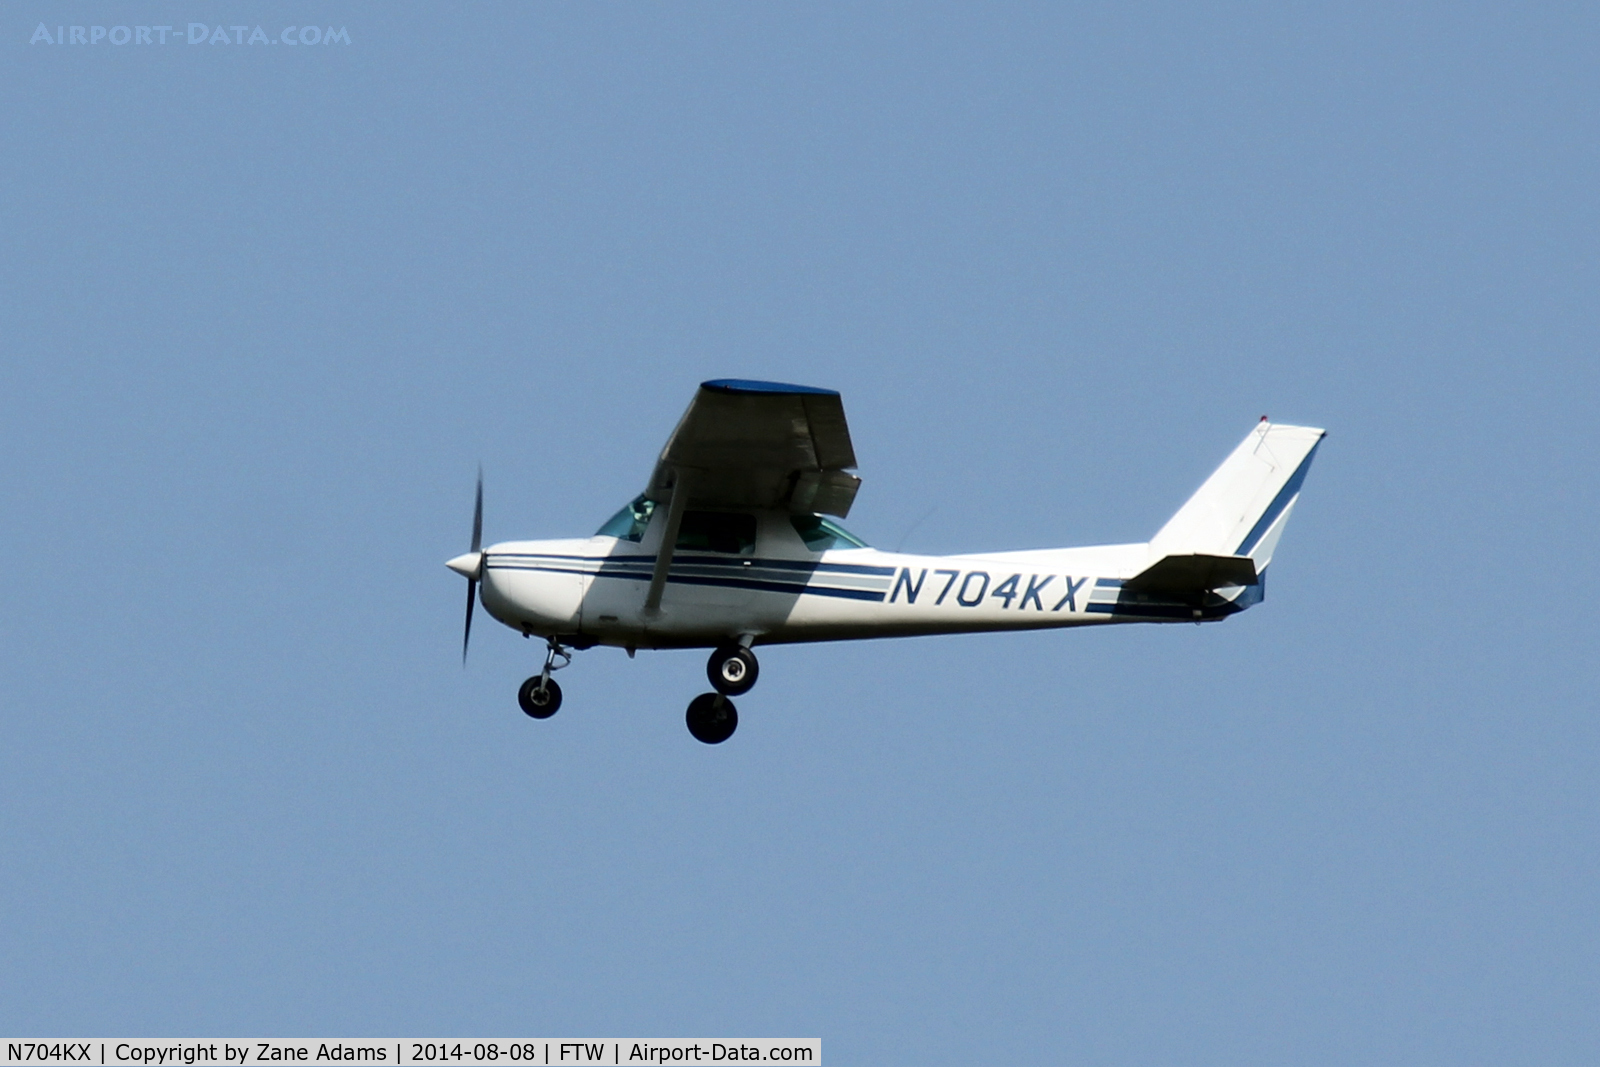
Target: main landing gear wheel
pixel 540 697
pixel 733 670
pixel 712 718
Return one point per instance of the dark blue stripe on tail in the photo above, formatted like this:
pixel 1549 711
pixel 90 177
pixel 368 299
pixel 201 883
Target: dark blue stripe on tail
pixel 1285 495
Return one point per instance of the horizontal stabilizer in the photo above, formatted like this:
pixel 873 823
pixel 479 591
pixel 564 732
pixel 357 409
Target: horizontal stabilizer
pixel 1192 575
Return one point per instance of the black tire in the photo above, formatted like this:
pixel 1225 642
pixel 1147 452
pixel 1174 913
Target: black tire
pixel 539 702
pixel 712 718
pixel 733 670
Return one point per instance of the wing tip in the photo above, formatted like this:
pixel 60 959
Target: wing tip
pixel 751 386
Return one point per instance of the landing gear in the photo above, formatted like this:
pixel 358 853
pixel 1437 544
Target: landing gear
pixel 733 670
pixel 712 718
pixel 540 696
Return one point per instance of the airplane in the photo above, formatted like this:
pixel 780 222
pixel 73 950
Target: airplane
pixel 733 544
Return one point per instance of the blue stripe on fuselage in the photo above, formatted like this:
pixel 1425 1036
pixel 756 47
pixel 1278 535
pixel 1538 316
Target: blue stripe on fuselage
pixel 640 568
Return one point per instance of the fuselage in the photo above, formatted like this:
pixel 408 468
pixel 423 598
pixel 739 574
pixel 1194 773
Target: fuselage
pixel 777 589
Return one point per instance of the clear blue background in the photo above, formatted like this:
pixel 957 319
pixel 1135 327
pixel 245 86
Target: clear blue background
pixel 263 310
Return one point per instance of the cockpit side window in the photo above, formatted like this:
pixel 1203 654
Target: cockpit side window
pixel 629 523
pixel 718 531
pixel 821 534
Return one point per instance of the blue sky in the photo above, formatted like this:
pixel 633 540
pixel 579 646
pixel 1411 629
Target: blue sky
pixel 265 310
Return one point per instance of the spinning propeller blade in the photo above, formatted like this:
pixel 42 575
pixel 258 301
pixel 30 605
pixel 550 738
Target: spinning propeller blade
pixel 477 571
pixel 477 515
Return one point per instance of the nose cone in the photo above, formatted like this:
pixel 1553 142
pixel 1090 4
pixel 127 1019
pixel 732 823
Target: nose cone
pixel 467 564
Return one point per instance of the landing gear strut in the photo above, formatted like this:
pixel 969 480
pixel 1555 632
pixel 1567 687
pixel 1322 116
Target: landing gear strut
pixel 733 670
pixel 712 718
pixel 540 696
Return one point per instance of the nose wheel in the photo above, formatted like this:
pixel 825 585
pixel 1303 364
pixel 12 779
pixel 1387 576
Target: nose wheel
pixel 712 718
pixel 540 696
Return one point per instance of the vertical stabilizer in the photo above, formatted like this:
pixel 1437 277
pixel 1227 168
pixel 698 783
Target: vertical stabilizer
pixel 1242 508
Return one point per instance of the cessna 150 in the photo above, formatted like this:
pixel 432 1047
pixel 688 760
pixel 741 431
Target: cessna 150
pixel 731 545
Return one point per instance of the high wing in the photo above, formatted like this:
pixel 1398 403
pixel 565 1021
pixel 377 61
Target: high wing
pixel 757 445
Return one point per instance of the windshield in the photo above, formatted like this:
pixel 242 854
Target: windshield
pixel 821 534
pixel 629 523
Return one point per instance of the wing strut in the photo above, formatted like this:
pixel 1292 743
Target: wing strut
pixel 669 541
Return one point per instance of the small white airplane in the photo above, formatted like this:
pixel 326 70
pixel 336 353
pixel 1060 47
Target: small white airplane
pixel 730 546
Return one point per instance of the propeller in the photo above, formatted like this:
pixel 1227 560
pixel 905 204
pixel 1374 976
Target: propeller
pixel 470 566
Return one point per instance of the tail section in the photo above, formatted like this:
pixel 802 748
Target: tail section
pixel 1242 508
